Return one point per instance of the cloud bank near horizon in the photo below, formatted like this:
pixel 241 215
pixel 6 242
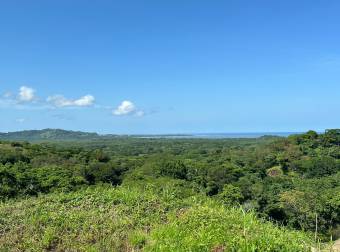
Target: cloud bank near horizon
pixel 26 98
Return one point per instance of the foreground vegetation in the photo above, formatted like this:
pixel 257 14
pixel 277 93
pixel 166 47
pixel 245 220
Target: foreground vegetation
pixel 128 194
pixel 122 219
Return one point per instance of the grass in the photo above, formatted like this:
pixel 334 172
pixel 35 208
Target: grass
pixel 214 228
pixel 153 218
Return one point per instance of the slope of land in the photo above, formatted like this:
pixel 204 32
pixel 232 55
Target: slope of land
pixel 131 194
pixel 156 218
pixel 48 135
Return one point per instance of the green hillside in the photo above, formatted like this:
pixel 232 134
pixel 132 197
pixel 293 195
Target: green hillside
pixel 103 218
pixel 48 135
pixel 132 194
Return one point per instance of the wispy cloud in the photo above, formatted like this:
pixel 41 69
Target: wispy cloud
pixel 326 62
pixel 60 101
pixel 7 95
pixel 20 120
pixel 127 108
pixel 140 113
pixel 63 117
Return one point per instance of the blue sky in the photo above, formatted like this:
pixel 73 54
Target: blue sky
pixel 170 66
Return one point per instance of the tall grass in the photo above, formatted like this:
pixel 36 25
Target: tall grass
pixel 126 218
pixel 214 228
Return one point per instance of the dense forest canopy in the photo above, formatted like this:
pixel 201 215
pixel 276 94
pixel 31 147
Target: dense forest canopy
pixel 293 181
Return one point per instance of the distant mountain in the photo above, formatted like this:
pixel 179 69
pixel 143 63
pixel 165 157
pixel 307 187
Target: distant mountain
pixel 69 135
pixel 48 134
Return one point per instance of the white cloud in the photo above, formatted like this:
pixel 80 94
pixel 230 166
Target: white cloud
pixel 26 99
pixel 127 108
pixel 86 100
pixel 61 101
pixel 26 94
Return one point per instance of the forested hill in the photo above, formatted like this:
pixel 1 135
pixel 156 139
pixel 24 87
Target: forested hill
pixel 52 135
pixel 48 134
